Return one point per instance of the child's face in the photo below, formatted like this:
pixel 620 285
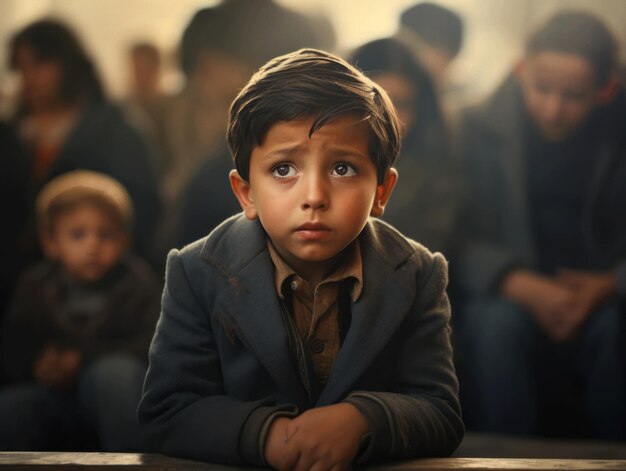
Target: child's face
pixel 559 90
pixel 313 195
pixel 87 242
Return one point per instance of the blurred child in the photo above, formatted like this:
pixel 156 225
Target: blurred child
pixel 78 332
pixel 304 333
pixel 544 266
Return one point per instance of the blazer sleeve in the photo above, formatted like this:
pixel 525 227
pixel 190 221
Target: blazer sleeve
pixel 184 410
pixel 422 415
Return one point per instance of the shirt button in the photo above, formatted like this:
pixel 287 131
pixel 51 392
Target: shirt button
pixel 317 346
pixel 294 285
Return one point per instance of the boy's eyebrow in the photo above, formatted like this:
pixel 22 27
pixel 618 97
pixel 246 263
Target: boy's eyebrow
pixel 347 151
pixel 284 152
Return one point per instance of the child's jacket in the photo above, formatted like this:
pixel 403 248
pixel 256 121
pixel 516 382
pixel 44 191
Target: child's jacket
pixel 115 315
pixel 221 364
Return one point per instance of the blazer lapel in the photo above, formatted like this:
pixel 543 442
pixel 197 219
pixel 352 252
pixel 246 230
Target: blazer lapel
pixel 257 312
pixel 243 260
pixel 377 314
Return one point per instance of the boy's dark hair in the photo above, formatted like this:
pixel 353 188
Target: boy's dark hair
pixel 311 83
pixel 73 189
pixel 435 25
pixel 582 34
pixel 52 40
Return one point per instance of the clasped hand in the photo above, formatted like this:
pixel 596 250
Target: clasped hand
pixel 325 438
pixel 57 367
pixel 560 304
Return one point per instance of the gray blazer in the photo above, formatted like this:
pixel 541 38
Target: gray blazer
pixel 220 362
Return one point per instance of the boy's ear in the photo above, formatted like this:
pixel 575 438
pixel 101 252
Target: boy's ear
pixel 243 192
pixel 383 192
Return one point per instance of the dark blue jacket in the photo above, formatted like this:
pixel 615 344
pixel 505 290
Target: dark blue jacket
pixel 220 361
pixel 497 224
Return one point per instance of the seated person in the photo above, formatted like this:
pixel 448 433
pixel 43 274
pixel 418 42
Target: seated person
pixel 427 198
pixel 78 332
pixel 544 267
pixel 435 33
pixel 303 332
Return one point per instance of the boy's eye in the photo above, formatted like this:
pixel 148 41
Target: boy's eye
pixel 284 171
pixel 344 170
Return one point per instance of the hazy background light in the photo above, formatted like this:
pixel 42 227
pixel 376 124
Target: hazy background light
pixel 493 41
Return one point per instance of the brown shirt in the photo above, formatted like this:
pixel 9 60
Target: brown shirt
pixel 316 308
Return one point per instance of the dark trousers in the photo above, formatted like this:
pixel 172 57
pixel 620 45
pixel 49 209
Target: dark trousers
pixel 101 408
pixel 513 378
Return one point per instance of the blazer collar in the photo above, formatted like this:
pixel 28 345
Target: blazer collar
pixel 388 293
pixel 238 249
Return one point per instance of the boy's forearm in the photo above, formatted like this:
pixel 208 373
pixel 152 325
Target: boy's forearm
pixel 254 434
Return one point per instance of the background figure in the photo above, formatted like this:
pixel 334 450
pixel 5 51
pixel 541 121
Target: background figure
pixel 66 123
pixel 146 103
pixel 77 335
pixel 435 34
pixel 428 193
pixel 206 201
pixel 544 267
pixel 14 200
pixel 217 59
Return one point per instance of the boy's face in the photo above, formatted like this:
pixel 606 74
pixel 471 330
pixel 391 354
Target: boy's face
pixel 87 242
pixel 559 90
pixel 313 195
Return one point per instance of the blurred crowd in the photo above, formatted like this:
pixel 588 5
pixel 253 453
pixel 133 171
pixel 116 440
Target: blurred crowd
pixel 525 195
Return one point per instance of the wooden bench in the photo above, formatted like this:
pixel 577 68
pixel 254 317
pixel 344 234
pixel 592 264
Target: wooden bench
pixel 128 461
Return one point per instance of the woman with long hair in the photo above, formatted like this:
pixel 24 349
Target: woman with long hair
pixel 66 123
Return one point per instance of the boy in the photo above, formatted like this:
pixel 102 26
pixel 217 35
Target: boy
pixel 80 326
pixel 545 263
pixel 302 333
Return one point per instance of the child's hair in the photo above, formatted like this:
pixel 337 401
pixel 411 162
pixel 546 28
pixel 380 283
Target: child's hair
pixel 80 187
pixel 310 83
pixel 582 34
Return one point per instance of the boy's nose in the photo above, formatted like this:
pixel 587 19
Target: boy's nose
pixel 315 193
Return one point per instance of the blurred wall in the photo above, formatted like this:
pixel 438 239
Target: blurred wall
pixel 495 30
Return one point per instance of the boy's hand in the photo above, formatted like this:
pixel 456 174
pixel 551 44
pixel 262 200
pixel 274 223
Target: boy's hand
pixel 323 438
pixel 57 368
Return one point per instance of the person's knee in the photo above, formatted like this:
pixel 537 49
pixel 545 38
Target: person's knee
pixel 112 376
pixel 27 412
pixel 605 330
pixel 498 323
pixel 22 400
pixel 109 368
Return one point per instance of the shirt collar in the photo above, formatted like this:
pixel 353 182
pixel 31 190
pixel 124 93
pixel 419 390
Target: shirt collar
pixel 351 267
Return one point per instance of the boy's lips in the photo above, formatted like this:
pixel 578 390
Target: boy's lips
pixel 313 230
pixel 313 226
